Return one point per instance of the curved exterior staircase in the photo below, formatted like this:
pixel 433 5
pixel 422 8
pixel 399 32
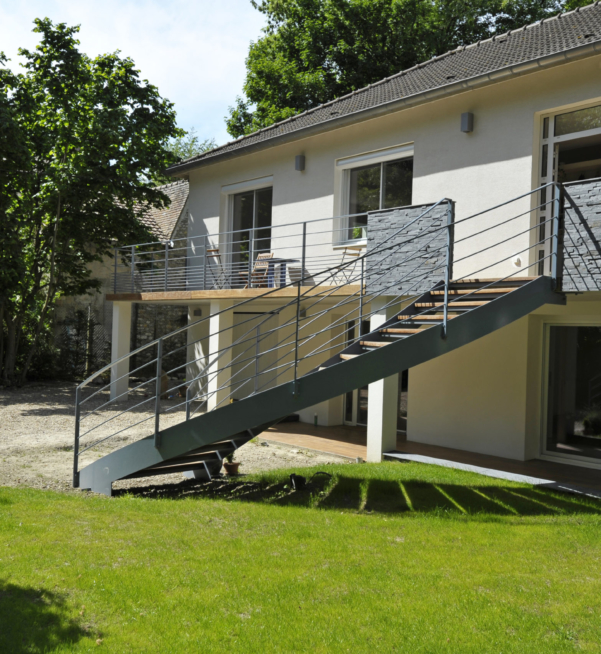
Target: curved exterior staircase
pixel 431 323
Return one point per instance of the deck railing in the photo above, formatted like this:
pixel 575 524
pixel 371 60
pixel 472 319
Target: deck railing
pixel 260 257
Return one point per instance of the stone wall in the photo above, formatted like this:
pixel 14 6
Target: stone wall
pixel 582 237
pixel 416 260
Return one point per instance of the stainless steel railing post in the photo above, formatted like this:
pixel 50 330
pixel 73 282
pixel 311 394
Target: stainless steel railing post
pixel 257 350
pixel 251 239
pixel 557 202
pixel 300 284
pixel 204 265
pixel 115 280
pixel 361 292
pixel 188 401
pixel 76 441
pixel 157 402
pixel 133 267
pixel 166 265
pixel 447 273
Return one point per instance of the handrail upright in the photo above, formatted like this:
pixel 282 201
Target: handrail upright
pixel 166 264
pixel 133 267
pixel 157 403
pixel 115 274
pixel 300 284
pixel 204 264
pixel 76 441
pixel 557 209
pixel 447 274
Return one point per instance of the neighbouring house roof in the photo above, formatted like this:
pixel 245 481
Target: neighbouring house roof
pixel 546 43
pixel 162 222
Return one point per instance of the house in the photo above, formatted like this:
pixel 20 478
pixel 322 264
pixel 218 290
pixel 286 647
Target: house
pixel 450 213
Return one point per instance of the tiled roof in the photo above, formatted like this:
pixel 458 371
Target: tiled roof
pixel 532 42
pixel 162 222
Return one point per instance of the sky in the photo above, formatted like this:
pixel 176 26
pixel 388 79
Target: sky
pixel 193 51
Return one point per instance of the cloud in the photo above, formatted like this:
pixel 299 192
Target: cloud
pixel 193 52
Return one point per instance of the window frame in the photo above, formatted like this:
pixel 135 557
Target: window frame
pixel 544 453
pixel 344 166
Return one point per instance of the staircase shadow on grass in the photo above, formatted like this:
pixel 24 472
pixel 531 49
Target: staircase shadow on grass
pixel 356 494
pixel 35 620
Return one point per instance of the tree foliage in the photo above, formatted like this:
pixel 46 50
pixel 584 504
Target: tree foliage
pixel 79 139
pixel 183 147
pixel 313 51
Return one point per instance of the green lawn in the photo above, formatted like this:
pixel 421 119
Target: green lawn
pixel 381 558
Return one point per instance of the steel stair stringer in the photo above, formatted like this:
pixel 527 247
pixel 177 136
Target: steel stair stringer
pixel 246 418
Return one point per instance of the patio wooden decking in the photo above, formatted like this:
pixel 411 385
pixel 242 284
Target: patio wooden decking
pixel 351 442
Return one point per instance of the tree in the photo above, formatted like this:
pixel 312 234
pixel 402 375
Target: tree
pixel 79 140
pixel 313 51
pixel 183 147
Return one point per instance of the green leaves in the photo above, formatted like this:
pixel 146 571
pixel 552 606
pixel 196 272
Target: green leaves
pixel 79 138
pixel 313 51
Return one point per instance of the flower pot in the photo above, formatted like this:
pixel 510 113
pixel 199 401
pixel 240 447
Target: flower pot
pixel 231 469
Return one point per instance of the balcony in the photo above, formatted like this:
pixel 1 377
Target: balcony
pixel 323 252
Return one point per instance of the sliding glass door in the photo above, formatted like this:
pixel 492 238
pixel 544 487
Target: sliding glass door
pixel 251 227
pixel 574 392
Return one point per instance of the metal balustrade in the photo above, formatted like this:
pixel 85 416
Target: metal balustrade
pixel 283 345
pixel 262 257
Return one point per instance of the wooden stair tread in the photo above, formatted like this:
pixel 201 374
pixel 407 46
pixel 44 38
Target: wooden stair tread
pixel 374 343
pixel 347 357
pixel 491 280
pixel 400 330
pixel 455 304
pixel 470 291
pixel 436 317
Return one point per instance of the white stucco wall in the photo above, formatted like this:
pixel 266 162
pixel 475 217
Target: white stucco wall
pixel 488 396
pixel 498 161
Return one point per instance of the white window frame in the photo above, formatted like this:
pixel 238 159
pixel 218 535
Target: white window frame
pixel 544 454
pixel 344 166
pixel 228 191
pixel 550 173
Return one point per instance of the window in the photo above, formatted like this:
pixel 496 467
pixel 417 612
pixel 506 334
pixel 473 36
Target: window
pixel 574 391
pixel 378 186
pixel 252 224
pixel 578 121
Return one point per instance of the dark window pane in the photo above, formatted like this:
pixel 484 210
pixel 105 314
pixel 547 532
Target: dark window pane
pixel 545 158
pixel 574 399
pixel 398 183
pixel 263 220
pixel 545 128
pixel 365 189
pixel 578 121
pixel 243 222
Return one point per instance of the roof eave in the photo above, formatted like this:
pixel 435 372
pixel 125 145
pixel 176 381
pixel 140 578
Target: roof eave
pixel 501 74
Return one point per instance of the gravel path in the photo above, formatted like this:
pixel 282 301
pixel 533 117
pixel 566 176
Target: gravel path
pixel 36 438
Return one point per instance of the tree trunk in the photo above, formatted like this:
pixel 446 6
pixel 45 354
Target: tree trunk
pixel 10 360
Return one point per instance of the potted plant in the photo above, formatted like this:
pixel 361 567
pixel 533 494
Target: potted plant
pixel 231 466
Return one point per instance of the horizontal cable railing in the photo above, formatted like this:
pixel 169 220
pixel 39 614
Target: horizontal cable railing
pixel 184 374
pixel 270 256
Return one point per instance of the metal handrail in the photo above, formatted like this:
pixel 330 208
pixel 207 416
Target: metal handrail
pixel 300 337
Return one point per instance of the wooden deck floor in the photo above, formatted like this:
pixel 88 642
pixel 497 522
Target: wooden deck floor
pixel 351 442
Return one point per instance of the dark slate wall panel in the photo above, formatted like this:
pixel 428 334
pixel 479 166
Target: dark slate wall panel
pixel 582 237
pixel 416 260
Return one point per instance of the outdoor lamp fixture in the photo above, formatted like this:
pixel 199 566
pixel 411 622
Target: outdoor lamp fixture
pixel 467 122
pixel 299 162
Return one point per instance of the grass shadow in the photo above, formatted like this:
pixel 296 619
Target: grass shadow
pixel 35 620
pixel 384 496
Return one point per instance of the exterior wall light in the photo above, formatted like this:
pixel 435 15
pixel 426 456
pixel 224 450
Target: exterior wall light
pixel 299 162
pixel 467 122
